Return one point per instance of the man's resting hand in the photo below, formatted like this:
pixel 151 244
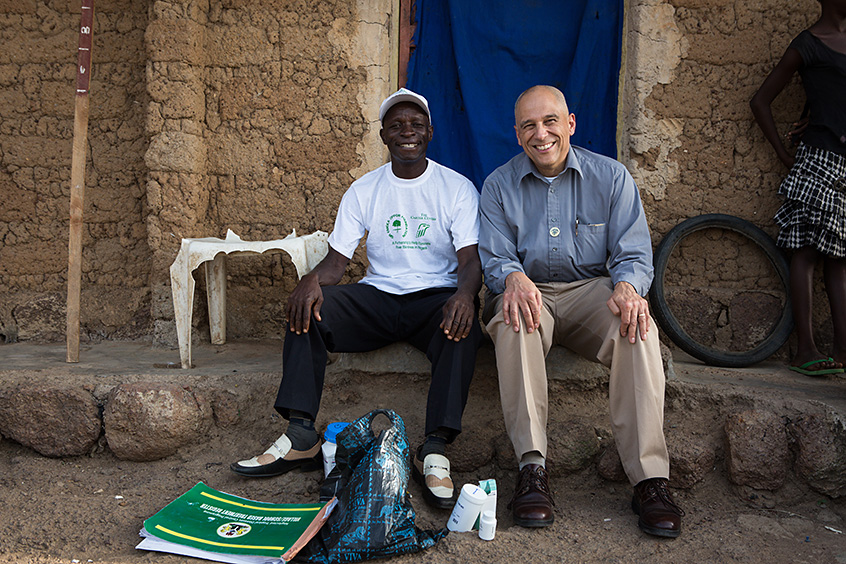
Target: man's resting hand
pixel 459 311
pixel 305 298
pixel 521 295
pixel 632 309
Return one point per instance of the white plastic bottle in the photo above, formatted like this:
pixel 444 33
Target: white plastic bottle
pixel 487 525
pixel 329 445
pixel 467 508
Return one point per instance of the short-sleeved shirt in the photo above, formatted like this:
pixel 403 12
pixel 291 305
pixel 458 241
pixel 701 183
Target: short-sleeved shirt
pixel 414 227
pixel 823 75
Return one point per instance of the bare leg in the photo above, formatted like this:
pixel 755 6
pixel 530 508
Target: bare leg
pixel 835 287
pixel 802 298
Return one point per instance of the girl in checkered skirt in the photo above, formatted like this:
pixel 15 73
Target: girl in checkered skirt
pixel 813 216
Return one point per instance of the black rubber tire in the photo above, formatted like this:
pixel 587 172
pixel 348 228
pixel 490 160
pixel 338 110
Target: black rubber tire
pixel 670 325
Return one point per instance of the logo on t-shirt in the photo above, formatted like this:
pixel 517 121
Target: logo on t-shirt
pixel 397 226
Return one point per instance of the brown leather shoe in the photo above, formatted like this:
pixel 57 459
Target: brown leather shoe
pixel 659 514
pixel 532 502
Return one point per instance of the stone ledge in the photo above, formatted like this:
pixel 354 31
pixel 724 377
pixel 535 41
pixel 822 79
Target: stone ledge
pixel 716 419
pixel 401 358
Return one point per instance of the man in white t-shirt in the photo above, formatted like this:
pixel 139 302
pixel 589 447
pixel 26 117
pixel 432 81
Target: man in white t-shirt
pixel 422 283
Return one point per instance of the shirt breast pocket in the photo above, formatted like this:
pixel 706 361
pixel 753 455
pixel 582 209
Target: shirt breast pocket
pixel 591 244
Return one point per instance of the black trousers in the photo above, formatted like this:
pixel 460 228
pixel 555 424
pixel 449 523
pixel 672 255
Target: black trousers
pixel 359 318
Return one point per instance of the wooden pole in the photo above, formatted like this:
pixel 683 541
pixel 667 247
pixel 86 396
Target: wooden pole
pixel 77 196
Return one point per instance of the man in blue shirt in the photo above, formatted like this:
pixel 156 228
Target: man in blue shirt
pixel 567 260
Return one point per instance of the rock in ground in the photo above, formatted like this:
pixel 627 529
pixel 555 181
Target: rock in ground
pixel 757 453
pixel 148 421
pixel 51 420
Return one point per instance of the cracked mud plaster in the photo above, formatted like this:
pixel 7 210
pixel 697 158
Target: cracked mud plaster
pixel 689 137
pixel 365 42
pixel 655 49
pixel 205 115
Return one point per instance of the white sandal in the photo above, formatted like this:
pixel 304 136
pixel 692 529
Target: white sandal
pixel 278 459
pixel 432 474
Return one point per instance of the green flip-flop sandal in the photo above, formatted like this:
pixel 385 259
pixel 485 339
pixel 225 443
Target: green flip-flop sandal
pixel 805 368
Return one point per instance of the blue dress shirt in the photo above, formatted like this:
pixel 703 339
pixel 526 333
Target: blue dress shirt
pixel 586 222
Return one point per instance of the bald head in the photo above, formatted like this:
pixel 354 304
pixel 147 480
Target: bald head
pixel 557 94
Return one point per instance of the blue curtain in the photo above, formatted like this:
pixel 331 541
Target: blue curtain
pixel 474 57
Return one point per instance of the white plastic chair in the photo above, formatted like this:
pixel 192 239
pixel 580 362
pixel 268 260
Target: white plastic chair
pixel 306 252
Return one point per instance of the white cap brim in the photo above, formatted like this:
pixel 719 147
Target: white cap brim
pixel 403 95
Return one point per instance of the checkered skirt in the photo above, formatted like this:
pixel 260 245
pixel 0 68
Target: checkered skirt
pixel 814 211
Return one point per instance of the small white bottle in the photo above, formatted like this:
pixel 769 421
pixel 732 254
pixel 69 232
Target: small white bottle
pixel 487 525
pixel 329 445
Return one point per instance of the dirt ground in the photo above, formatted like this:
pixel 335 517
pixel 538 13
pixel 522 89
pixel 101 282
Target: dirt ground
pixel 90 508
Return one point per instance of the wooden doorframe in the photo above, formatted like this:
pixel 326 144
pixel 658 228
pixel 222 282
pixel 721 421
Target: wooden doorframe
pixel 407 26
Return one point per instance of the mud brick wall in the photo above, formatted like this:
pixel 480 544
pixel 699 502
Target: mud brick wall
pixel 205 116
pixel 255 115
pixel 256 124
pixel 38 43
pixel 690 139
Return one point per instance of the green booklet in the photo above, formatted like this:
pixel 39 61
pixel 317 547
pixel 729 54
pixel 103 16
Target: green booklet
pixel 206 523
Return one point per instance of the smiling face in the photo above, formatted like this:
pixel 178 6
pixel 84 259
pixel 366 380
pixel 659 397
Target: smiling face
pixel 406 132
pixel 544 126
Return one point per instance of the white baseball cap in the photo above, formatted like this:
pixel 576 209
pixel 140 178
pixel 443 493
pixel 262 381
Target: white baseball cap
pixel 404 95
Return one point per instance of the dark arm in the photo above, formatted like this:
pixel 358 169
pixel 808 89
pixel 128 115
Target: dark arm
pixel 460 309
pixel 307 297
pixel 763 98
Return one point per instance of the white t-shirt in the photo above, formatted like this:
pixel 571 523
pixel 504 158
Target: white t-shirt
pixel 414 227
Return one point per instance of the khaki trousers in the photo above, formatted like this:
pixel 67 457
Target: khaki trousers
pixel 576 316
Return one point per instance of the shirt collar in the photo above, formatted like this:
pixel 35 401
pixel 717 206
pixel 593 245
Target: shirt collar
pixel 411 181
pixel 572 161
